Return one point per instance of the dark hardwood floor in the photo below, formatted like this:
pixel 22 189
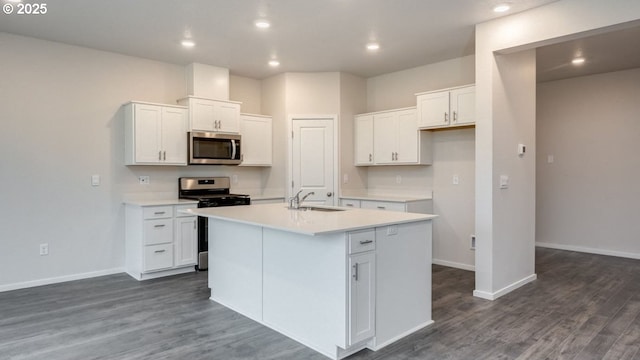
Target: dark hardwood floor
pixel 581 307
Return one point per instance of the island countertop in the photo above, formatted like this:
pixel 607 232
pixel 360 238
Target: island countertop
pixel 308 222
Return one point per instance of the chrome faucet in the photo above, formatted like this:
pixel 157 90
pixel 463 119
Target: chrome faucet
pixel 295 201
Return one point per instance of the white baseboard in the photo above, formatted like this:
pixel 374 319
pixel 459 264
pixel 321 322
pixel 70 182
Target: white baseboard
pixel 59 279
pixel 400 336
pixel 504 290
pixel 589 250
pixel 454 264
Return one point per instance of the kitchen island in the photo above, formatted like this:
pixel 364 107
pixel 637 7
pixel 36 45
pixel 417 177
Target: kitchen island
pixel 336 281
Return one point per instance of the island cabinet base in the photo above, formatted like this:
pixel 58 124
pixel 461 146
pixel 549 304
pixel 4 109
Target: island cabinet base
pixel 303 285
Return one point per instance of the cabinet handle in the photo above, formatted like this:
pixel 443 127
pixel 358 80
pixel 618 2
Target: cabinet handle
pixel 194 224
pixel 164 155
pixel 160 155
pixel 355 273
pixel 381 207
pixel 370 157
pixel 350 205
pixel 158 226
pixel 455 116
pixel 159 251
pixel 364 242
pixel 446 117
pixel 159 213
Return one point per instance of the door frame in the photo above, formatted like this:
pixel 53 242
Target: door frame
pixel 336 147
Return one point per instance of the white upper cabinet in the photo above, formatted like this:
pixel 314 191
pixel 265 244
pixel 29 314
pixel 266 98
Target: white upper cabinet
pixel 212 115
pixel 390 137
pixel 447 108
pixel 155 134
pixel 363 140
pixel 256 143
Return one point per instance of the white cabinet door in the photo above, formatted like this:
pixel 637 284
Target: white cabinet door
pixel 147 138
pixel 174 136
pixel 257 140
pixel 433 109
pixel 201 114
pixel 157 257
pixel 362 297
pixel 226 117
pixel 385 137
pixel 463 106
pixel 363 140
pixel 185 241
pixel 453 107
pixel 407 137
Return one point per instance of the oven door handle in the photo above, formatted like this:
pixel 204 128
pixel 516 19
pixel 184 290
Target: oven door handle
pixel 233 149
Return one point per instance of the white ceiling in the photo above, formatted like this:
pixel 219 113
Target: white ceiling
pixel 306 35
pixel 611 51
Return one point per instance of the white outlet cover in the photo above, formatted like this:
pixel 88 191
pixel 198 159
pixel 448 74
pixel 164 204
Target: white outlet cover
pixel 398 179
pixel 456 180
pixel 144 180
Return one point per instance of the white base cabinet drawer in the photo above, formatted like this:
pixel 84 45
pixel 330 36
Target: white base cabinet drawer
pixel 158 231
pixel 158 257
pixel 361 241
pixel 383 205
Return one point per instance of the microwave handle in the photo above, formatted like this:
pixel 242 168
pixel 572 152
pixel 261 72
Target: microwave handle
pixel 233 149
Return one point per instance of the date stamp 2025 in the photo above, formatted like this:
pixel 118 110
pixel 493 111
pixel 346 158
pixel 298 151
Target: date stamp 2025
pixel 25 9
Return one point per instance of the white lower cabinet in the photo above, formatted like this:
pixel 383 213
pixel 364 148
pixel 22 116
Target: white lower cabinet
pixel 362 288
pixel 160 240
pixel 424 206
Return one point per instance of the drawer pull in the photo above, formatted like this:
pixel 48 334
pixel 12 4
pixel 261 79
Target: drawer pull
pixel 350 205
pixel 364 242
pixel 159 213
pixel 381 207
pixel 159 251
pixel 159 225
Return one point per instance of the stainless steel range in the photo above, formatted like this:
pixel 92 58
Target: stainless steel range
pixel 209 192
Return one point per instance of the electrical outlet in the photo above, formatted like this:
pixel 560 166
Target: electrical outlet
pixel 345 178
pixel 398 179
pixel 392 230
pixel 472 239
pixel 144 180
pixel 44 249
pixel 234 179
pixel 456 180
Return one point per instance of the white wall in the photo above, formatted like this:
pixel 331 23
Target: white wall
pixel 453 154
pixel 61 124
pixel 353 96
pixel 499 94
pixel 587 199
pixel 248 91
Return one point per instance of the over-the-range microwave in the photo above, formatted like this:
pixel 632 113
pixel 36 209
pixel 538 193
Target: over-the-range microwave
pixel 209 148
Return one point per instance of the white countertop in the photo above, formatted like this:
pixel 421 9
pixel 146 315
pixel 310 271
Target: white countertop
pixel 309 222
pixel 160 202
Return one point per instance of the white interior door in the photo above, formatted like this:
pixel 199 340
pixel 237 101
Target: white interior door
pixel 313 159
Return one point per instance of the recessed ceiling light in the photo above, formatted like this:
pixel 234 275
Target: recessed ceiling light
pixel 578 61
pixel 373 46
pixel 263 24
pixel 501 8
pixel 188 43
pixel 274 63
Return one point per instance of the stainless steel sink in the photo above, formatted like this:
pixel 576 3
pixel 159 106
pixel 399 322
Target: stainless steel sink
pixel 315 208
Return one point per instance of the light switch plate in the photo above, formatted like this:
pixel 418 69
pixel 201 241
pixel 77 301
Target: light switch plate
pixel 456 180
pixel 504 182
pixel 95 180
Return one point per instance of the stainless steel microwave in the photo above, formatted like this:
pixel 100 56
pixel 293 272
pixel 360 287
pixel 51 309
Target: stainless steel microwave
pixel 209 148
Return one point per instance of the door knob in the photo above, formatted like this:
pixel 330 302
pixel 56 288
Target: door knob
pixel 329 194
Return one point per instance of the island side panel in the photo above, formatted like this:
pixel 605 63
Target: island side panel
pixel 235 266
pixel 403 293
pixel 305 288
